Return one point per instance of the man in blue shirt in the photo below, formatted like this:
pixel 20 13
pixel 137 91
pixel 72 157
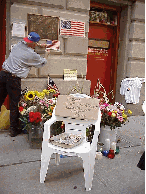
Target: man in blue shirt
pixel 15 67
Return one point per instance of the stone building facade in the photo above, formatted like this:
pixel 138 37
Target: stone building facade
pixel 74 50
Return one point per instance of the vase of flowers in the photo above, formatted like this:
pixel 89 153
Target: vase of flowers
pixel 35 132
pixel 112 115
pixel 35 108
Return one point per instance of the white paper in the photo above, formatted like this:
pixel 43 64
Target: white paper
pixel 18 29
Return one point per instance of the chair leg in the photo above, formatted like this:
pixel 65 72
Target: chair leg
pixel 91 166
pixel 45 159
pixel 57 159
pixel 86 166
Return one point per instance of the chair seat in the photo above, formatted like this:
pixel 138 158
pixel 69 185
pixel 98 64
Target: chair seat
pixel 84 147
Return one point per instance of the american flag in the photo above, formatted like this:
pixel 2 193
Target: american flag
pixel 52 85
pixel 72 28
pixel 55 45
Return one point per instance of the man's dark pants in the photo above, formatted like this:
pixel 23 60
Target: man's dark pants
pixel 11 85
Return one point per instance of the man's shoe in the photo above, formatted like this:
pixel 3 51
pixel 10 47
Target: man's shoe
pixel 14 133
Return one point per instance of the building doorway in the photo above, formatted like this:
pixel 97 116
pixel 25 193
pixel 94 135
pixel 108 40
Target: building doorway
pixel 103 46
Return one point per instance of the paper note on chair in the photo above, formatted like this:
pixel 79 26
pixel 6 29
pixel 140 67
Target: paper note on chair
pixel 70 74
pixel 78 108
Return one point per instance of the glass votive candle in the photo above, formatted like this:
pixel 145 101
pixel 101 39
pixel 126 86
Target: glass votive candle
pixel 98 155
pixel 117 150
pixel 105 152
pixel 111 154
pixel 100 147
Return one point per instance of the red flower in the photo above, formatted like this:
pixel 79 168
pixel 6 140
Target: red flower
pixel 31 114
pixel 21 108
pixel 109 113
pixel 35 117
pixel 31 120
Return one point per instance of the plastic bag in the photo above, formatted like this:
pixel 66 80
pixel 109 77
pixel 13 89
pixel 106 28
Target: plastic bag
pixel 4 118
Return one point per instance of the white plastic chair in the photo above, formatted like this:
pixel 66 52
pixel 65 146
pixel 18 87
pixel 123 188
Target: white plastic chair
pixel 85 150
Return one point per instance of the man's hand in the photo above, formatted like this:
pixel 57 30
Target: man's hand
pixel 42 45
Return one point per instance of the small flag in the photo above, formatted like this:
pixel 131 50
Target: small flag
pixel 72 28
pixel 52 85
pixel 53 45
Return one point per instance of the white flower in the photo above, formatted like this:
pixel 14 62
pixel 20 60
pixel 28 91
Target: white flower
pixel 30 109
pixel 122 107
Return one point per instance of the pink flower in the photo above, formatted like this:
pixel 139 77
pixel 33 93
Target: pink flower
pixel 50 101
pixel 120 118
pixel 105 104
pixel 24 105
pixel 46 105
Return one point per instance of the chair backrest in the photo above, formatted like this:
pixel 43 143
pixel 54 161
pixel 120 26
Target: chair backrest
pixel 75 126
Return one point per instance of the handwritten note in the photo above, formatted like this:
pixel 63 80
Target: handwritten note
pixel 80 108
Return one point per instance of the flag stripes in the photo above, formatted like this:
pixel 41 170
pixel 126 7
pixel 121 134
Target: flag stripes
pixel 72 28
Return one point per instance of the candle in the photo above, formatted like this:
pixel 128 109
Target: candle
pixel 105 153
pixel 98 155
pixel 107 144
pixel 111 154
pixel 113 146
pixel 117 150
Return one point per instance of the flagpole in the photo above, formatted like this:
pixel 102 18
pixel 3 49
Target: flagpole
pixel 48 79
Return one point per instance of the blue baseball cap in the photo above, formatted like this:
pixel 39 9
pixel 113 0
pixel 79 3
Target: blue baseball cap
pixel 32 37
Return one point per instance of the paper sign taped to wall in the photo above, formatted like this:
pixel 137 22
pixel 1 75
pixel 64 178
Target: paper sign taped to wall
pixel 78 108
pixel 70 74
pixel 18 29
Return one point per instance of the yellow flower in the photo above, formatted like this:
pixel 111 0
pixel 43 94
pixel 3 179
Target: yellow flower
pixel 52 90
pixel 30 95
pixel 41 95
pixel 124 116
pixel 49 113
pixel 113 115
pixel 36 92
pixel 22 112
pixel 123 111
pixel 45 91
pixel 115 111
pixel 129 112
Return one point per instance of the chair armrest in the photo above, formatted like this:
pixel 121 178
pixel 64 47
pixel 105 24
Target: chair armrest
pixel 96 132
pixel 47 125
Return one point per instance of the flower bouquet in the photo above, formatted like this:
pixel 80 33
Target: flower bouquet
pixel 113 115
pixel 35 108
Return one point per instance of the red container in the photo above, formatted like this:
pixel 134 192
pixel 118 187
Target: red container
pixel 111 154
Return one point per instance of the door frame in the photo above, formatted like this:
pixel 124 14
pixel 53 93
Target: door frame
pixel 116 46
pixel 3 27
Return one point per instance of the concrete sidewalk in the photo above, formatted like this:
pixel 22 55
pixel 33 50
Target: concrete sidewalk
pixel 20 167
